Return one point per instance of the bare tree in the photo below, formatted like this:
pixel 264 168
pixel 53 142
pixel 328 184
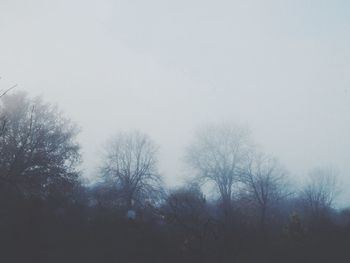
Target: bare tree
pixel 38 148
pixel 2 115
pixel 130 167
pixel 218 155
pixel 265 184
pixel 319 193
pixel 2 123
pixel 4 92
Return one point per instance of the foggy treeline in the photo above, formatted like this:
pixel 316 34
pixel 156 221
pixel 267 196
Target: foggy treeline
pixel 238 204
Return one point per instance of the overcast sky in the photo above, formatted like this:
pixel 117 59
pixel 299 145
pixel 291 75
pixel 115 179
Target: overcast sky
pixel 280 67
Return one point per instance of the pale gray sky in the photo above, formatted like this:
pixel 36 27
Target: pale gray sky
pixel 280 67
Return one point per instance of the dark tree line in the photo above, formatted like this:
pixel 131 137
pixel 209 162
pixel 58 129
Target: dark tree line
pixel 238 204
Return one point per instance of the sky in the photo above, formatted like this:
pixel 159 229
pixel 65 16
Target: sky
pixel 165 67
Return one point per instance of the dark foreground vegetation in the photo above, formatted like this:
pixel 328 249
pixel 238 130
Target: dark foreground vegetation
pixel 239 204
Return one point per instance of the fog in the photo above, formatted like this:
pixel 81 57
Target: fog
pixel 281 68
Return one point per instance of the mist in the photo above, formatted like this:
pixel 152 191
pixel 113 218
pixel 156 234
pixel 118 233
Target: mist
pixel 165 68
pixel 183 88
